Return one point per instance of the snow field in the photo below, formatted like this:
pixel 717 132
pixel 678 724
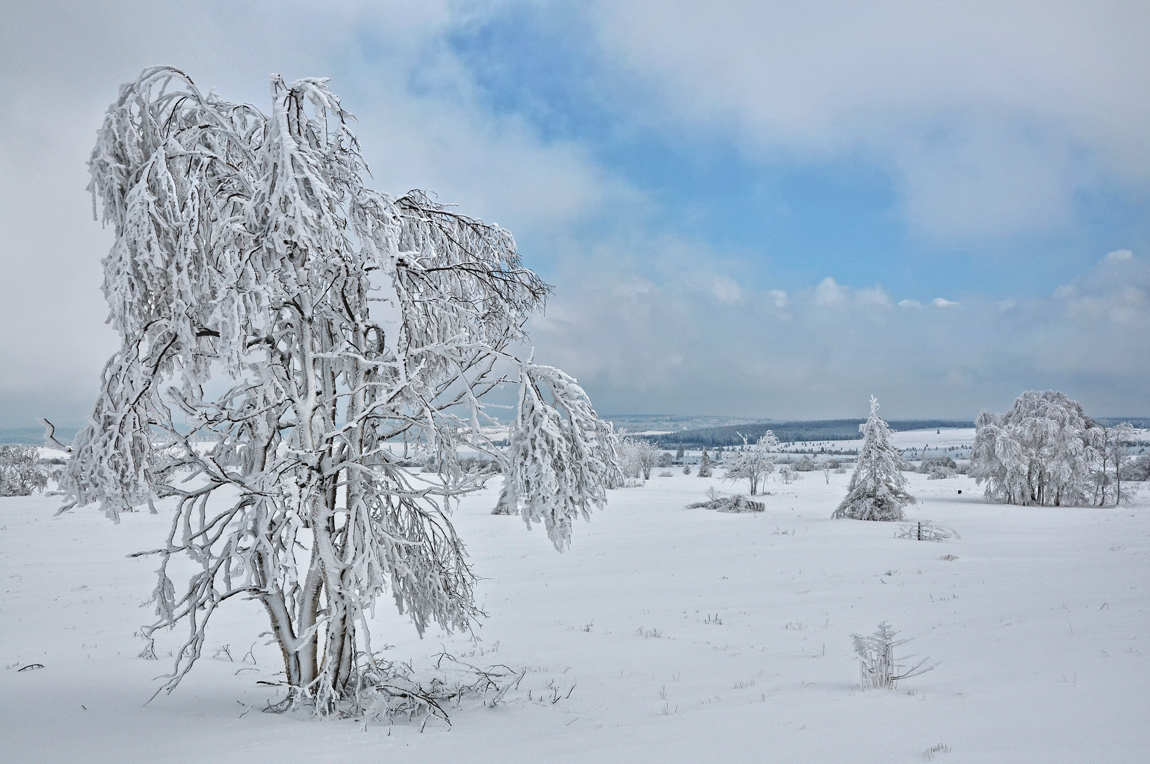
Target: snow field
pixel 662 635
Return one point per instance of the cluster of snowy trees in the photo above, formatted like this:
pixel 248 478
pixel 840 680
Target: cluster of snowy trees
pixel 316 334
pixel 1046 451
pixel 637 457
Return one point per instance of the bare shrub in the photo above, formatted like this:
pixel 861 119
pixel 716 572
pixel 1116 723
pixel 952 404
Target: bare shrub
pixel 926 531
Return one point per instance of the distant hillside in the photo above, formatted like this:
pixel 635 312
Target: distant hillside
pixel 790 432
pixel 1142 423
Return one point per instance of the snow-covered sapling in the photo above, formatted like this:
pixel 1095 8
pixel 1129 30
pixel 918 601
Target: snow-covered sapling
pixel 878 665
pixel 877 490
pixel 287 335
pixel 754 461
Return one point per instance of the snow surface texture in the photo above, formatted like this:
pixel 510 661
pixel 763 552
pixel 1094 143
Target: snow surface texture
pixel 687 636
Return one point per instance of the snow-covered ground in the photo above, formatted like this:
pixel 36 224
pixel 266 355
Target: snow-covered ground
pixel 663 635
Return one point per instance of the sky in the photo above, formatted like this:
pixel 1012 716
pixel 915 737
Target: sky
pixel 760 209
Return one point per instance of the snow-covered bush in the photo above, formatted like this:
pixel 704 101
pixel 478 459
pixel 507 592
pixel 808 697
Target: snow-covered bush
pixel 788 474
pixel 737 503
pixel 806 464
pixel 878 666
pixel 877 490
pixel 22 471
pixel 271 304
pixel 936 463
pixel 1137 468
pixel 1042 451
pixel 925 530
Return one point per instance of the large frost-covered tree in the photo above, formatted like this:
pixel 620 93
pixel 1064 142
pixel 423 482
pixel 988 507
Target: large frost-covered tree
pixel 288 337
pixel 754 462
pixel 877 490
pixel 1042 451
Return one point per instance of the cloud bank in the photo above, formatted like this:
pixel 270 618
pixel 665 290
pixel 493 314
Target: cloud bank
pixel 1010 138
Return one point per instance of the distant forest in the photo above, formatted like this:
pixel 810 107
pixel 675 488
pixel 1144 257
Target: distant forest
pixel 790 432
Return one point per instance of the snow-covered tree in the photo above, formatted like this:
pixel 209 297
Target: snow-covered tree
pixel 288 337
pixel 754 461
pixel 22 471
pixel 1112 457
pixel 637 457
pixel 1041 452
pixel 705 468
pixel 824 465
pixel 877 490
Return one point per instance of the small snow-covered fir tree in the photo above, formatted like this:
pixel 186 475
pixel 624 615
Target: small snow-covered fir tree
pixel 877 490
pixel 705 465
pixel 287 334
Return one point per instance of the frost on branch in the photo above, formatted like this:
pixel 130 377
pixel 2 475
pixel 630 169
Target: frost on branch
pixel 562 455
pixel 289 338
pixel 877 490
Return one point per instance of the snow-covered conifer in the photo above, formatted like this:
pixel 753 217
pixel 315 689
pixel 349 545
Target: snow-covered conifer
pixel 705 465
pixel 307 327
pixel 877 490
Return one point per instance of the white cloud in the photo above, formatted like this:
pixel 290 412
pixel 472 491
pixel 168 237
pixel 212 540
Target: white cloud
pixel 942 302
pixel 874 296
pixel 830 292
pixel 779 297
pixel 726 290
pixel 992 115
pixel 1119 255
pixel 822 359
